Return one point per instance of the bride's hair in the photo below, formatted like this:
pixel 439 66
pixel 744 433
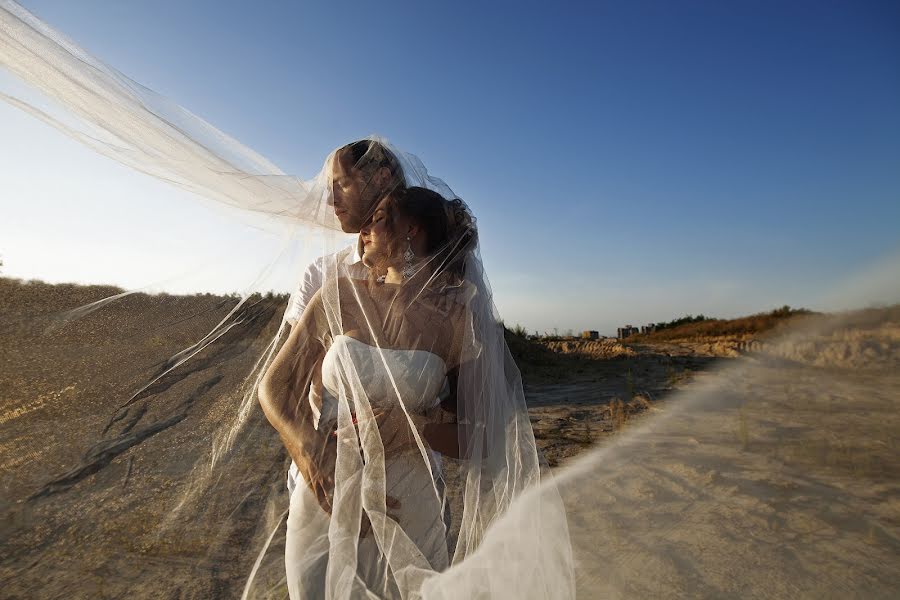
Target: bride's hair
pixel 449 227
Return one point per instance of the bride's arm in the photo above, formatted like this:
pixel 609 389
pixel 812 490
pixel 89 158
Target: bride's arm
pixel 456 439
pixel 283 395
pixel 444 437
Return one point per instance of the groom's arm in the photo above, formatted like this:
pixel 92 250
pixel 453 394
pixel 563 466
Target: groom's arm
pixel 284 397
pixel 310 283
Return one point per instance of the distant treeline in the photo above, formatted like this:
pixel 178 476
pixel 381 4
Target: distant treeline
pixel 701 326
pixel 101 290
pixel 683 321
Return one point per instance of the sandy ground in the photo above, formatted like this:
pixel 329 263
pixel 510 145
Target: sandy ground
pixel 768 480
pixel 797 459
pixel 85 498
pixel 774 475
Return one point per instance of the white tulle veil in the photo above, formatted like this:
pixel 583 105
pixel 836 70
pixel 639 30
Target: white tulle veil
pixel 734 490
pixel 443 312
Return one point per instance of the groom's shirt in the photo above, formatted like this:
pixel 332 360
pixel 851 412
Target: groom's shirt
pixel 315 275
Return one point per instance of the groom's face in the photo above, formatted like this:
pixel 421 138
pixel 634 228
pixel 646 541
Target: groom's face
pixel 353 194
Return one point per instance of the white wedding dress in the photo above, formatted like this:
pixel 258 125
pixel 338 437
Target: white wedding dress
pixel 413 541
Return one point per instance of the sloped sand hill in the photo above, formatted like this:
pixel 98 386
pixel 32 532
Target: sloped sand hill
pixel 86 483
pixel 106 490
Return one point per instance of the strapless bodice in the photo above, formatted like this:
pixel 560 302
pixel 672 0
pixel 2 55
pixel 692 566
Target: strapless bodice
pixel 383 375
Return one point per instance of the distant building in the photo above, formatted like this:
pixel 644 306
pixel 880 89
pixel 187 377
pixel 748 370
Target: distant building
pixel 628 331
pixel 589 334
pixel 649 328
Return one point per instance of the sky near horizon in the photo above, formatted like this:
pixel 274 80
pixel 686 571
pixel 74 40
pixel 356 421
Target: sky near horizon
pixel 628 162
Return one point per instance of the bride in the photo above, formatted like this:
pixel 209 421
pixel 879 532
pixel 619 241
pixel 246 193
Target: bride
pixel 361 383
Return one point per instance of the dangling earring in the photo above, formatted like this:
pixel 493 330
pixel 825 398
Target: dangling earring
pixel 408 257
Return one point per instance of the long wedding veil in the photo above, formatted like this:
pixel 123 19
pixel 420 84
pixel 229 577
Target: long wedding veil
pixel 777 477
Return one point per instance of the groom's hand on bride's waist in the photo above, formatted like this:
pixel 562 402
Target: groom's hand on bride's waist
pixel 395 429
pixel 316 466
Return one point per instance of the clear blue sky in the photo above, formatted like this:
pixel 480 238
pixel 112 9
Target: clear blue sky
pixel 627 161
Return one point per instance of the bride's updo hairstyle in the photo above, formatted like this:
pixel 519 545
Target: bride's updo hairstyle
pixel 449 228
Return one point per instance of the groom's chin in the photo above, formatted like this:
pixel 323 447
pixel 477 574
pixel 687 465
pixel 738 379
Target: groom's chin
pixel 346 220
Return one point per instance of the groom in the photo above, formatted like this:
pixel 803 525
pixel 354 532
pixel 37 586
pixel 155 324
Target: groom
pixel 362 173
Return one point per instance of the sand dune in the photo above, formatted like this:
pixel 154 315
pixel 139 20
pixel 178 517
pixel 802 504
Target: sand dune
pixel 107 492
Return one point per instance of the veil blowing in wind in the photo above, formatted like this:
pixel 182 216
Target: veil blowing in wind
pixel 388 394
pixel 389 375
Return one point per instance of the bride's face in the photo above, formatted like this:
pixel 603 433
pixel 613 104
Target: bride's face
pixel 380 237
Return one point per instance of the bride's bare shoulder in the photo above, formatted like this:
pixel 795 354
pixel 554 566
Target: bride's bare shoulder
pixel 343 292
pixel 344 286
pixel 351 286
pixel 340 288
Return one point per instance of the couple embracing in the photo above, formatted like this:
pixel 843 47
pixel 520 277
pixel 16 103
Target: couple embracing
pixel 395 366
